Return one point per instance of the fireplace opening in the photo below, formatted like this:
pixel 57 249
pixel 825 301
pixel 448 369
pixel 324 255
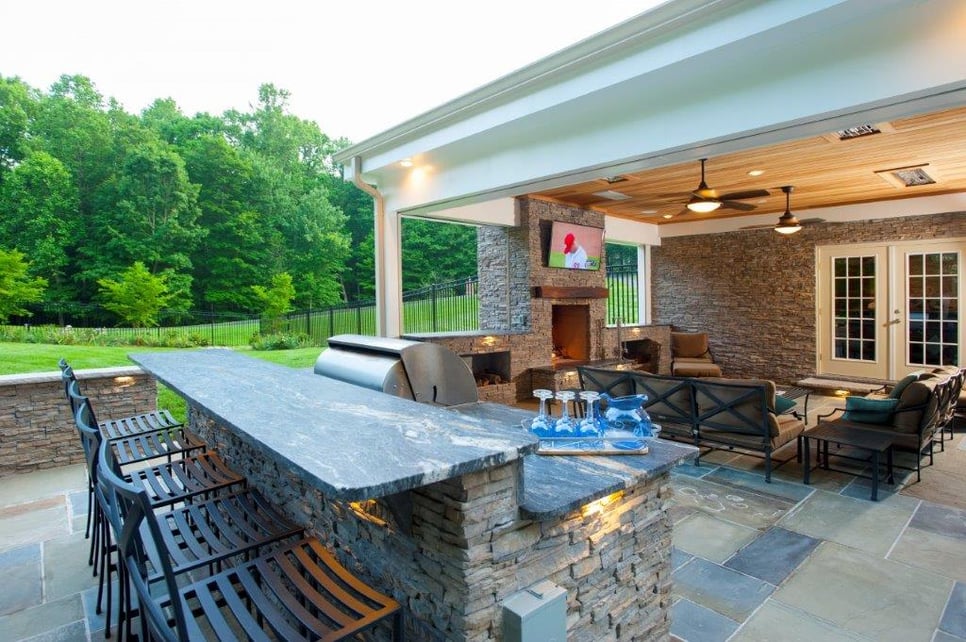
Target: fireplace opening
pixel 489 368
pixel 645 354
pixel 570 331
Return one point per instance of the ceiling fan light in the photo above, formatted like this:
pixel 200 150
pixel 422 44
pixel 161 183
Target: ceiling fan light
pixel 788 224
pixel 703 205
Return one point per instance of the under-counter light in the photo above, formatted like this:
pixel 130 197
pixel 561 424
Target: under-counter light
pixel 596 507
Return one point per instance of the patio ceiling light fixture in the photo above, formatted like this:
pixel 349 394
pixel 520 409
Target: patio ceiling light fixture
pixel 703 205
pixel 787 223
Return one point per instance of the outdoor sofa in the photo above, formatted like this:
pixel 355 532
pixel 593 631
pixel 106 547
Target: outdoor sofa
pixel 708 412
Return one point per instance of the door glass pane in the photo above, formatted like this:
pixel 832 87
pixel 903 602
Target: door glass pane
pixel 932 304
pixel 853 304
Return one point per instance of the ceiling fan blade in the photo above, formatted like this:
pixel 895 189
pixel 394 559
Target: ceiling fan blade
pixel 810 221
pixel 740 196
pixel 738 205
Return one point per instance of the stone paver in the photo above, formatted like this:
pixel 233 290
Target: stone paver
pixel 773 556
pixel 865 594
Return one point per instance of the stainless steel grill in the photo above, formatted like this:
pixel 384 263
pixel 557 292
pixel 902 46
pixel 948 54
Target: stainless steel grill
pixel 425 372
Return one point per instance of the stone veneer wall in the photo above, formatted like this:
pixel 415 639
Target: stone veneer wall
pixel 36 429
pixel 470 549
pixel 754 291
pixel 510 265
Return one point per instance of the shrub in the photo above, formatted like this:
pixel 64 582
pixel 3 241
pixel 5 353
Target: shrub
pixel 279 341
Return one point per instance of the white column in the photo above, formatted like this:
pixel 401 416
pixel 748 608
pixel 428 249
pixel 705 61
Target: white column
pixel 643 284
pixel 388 249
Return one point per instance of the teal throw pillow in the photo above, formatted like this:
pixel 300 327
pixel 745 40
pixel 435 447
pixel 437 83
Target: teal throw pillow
pixel 869 411
pixel 783 404
pixel 896 392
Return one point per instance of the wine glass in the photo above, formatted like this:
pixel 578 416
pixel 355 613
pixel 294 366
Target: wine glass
pixel 542 424
pixel 590 426
pixel 565 425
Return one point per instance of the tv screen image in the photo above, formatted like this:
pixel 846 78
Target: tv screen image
pixel 575 247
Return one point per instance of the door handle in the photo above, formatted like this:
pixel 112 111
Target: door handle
pixel 894 322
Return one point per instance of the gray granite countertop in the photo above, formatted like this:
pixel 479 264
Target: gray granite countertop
pixel 350 442
pixel 556 485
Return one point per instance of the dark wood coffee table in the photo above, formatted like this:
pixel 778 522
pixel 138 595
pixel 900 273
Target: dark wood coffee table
pixel 873 441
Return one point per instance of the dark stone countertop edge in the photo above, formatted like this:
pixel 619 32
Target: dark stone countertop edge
pixel 533 508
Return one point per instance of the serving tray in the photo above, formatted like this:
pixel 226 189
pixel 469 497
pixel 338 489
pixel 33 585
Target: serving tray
pixel 614 442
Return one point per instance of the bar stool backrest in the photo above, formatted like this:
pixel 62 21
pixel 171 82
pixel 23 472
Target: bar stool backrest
pixel 141 549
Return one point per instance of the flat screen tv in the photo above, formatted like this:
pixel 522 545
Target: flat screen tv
pixel 575 247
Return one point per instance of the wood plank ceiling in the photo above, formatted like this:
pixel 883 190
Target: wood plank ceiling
pixel 824 171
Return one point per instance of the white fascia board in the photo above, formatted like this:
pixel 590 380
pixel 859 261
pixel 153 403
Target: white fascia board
pixel 622 230
pixel 502 212
pixel 656 39
pixel 788 83
pixel 941 204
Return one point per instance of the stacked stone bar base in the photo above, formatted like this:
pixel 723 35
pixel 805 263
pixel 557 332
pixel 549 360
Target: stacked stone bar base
pixel 468 547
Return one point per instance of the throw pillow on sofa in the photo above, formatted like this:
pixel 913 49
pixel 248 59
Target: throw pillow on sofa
pixel 870 411
pixel 783 404
pixel 896 392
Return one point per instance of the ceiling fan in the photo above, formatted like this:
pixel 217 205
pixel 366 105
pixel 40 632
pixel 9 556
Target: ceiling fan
pixel 704 199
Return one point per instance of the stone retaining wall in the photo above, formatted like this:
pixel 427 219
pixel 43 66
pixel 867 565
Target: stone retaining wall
pixel 469 548
pixel 36 429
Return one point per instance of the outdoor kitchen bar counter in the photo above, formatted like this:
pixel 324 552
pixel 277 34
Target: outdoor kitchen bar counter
pixel 466 514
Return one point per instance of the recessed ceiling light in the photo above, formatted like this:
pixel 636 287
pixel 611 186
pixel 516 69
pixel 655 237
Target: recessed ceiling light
pixel 614 179
pixel 406 162
pixel 756 172
pixel 668 216
pixel 648 211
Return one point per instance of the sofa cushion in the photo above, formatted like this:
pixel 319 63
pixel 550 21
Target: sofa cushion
pixel 870 411
pixel 916 400
pixel 668 398
pixel 689 344
pixel 744 412
pixel 896 392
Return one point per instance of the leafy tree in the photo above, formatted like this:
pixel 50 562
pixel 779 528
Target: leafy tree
pixel 277 298
pixel 40 218
pixel 149 214
pixel 17 287
pixel 16 106
pixel 433 252
pixel 235 249
pixel 138 297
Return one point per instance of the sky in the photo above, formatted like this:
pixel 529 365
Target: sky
pixel 356 68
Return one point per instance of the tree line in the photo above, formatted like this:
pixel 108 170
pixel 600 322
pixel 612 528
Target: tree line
pixel 214 207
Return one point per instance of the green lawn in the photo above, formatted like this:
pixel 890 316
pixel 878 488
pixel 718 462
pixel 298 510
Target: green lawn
pixel 18 358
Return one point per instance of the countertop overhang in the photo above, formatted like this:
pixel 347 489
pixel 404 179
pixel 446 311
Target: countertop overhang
pixel 350 442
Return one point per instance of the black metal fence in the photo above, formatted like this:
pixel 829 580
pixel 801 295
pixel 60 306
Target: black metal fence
pixel 442 307
pixel 623 294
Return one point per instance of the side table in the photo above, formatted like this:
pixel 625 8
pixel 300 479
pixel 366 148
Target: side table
pixel 874 442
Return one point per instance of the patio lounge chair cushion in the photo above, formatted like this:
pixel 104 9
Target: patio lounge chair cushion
pixel 690 345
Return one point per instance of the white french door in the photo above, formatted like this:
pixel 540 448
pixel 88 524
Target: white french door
pixel 887 309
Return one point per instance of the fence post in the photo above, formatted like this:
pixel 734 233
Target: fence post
pixel 358 319
pixel 211 323
pixel 331 322
pixel 433 295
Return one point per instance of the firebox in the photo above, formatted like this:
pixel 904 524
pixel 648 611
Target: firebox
pixel 570 330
